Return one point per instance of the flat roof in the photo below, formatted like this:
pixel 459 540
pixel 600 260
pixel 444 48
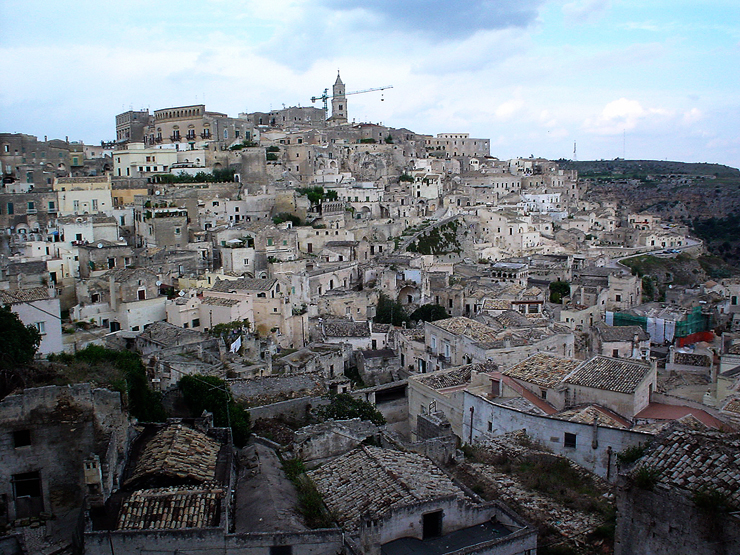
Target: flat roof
pixel 449 543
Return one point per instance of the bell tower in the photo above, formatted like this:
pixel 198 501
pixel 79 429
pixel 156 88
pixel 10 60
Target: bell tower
pixel 338 102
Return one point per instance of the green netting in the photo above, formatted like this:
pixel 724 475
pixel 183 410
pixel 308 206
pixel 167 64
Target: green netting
pixel 694 322
pixel 623 319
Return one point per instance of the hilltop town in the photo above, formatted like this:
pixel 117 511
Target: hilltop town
pixel 287 332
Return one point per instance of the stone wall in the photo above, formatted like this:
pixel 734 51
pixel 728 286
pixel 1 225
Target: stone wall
pixel 595 448
pixel 666 522
pixel 212 540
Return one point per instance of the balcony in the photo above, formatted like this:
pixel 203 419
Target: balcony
pixel 175 138
pixel 205 135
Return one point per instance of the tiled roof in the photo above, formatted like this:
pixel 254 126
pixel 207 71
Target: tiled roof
pixel 733 405
pixel 694 460
pixel 543 369
pixel 592 413
pixel 459 375
pixel 24 295
pixel 460 325
pixel 124 274
pixel 171 508
pixel 243 284
pixel 218 301
pixel 621 333
pixel 166 334
pixel 178 452
pixel 691 359
pixel 346 328
pixel 610 374
pixel 370 481
pixel 496 304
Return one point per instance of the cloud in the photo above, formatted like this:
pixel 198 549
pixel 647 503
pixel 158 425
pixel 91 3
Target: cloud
pixel 442 19
pixel 692 116
pixel 509 108
pixel 585 11
pixel 624 115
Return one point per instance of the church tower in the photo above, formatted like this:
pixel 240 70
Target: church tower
pixel 338 102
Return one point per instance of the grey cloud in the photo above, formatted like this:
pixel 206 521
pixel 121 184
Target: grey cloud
pixel 443 19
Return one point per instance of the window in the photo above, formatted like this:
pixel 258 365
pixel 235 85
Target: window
pixel 75 205
pixel 178 231
pixel 11 209
pixel 142 294
pixel 21 438
pixel 615 353
pixel 41 326
pixel 269 241
pixel 569 440
pixel 27 494
pixel 281 550
pixel 196 322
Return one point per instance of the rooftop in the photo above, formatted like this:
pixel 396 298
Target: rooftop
pixel 370 481
pixel 696 460
pixel 242 284
pixel 178 452
pixel 171 508
pixel 24 295
pixel 610 374
pixel 543 369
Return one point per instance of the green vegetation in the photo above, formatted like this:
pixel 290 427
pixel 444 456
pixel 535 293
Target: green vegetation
pixel 429 313
pixel 218 176
pixel 367 141
pixel 389 139
pixel 389 311
pixel 246 143
pixel 317 195
pixel 711 500
pixel 212 394
pixel 405 177
pixel 559 290
pixel 220 330
pixel 121 371
pixel 438 240
pixel 343 406
pixel 310 503
pixel 631 454
pixel 650 290
pixel 286 217
pixel 646 477
pixel 20 342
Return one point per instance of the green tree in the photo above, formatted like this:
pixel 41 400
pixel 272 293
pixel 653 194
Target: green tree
pixel 429 313
pixel 342 406
pixel 558 290
pixel 213 395
pixel 20 342
pixel 389 311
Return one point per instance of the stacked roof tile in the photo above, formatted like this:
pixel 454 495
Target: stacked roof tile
pixel 610 374
pixel 696 461
pixel 543 369
pixel 368 481
pixel 178 452
pixel 24 295
pixel 171 508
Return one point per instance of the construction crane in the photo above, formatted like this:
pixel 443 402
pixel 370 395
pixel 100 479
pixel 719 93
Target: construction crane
pixel 325 96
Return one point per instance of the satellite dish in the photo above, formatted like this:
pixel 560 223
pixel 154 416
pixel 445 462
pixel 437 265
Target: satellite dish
pixel 159 283
pixel 121 238
pixel 181 293
pixel 157 192
pixel 100 245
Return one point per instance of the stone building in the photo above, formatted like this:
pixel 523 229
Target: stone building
pixel 62 447
pixel 391 501
pixel 682 496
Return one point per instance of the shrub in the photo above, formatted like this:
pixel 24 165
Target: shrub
pixel 631 454
pixel 343 406
pixel 646 477
pixel 213 395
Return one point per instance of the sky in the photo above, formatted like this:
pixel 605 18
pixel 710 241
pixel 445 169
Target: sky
pixel 614 78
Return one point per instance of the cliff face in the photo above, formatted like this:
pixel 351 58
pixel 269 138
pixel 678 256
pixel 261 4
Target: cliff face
pixel 677 190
